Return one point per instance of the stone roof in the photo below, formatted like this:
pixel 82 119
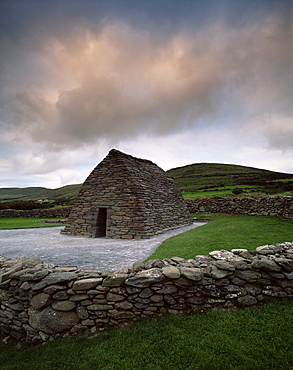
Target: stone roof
pixel 128 198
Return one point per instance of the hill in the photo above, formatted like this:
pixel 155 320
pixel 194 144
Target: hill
pixel 200 179
pixel 215 177
pixel 39 193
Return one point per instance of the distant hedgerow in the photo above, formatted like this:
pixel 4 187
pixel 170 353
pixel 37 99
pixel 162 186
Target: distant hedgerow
pixel 22 205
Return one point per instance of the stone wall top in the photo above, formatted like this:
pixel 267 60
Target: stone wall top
pixel 279 206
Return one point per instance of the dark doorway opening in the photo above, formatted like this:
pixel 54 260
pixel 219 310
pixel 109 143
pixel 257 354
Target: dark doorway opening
pixel 101 223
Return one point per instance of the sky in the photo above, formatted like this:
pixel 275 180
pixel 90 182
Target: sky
pixel 172 81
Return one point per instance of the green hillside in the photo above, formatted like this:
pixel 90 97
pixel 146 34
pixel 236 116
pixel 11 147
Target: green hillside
pixel 38 193
pixel 206 179
pixel 195 180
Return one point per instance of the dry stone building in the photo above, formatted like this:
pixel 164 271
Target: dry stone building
pixel 127 198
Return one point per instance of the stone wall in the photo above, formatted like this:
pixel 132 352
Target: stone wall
pixel 281 206
pixel 42 301
pixel 40 213
pixel 127 198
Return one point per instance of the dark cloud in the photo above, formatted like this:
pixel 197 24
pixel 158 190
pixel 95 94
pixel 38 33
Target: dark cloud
pixel 74 74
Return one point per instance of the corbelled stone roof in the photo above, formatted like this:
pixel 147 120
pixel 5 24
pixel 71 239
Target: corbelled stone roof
pixel 128 198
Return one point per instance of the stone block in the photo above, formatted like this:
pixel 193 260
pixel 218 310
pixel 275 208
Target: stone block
pixel 85 284
pixel 171 272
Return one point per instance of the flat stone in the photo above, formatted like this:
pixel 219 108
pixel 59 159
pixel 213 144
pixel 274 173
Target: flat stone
pixel 248 275
pixel 241 265
pixel 138 266
pixel 224 265
pixel 61 295
pixel 78 297
pixel 99 307
pixel 59 277
pixel 122 315
pixel 25 286
pixel 269 249
pixel 167 289
pixel 146 278
pixel 53 289
pixel 195 274
pixel 177 259
pixel 6 275
pixel 171 272
pixel 222 255
pixel 40 301
pixel 113 297
pixel 40 285
pixel 25 271
pixel 247 300
pixel 156 298
pixel 85 284
pixel 146 293
pixel 113 280
pixel 63 305
pixel 125 305
pixel 265 264
pixel 217 273
pixel 196 300
pixel 244 253
pixel 51 321
pixel 82 312
pixel 285 264
pixel 40 275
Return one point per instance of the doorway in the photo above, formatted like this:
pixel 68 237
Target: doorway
pixel 99 229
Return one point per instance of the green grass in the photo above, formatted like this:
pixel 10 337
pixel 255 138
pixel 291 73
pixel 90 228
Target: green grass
pixel 226 232
pixel 258 338
pixel 224 191
pixel 26 222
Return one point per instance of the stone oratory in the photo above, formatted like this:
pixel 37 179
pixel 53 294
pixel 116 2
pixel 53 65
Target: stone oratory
pixel 127 198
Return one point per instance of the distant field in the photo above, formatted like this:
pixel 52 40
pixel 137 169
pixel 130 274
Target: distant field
pixel 26 222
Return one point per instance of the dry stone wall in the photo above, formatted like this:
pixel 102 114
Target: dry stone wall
pixel 41 301
pixel 281 206
pixel 127 198
pixel 40 213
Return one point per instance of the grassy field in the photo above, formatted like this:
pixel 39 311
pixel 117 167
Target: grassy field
pixel 226 232
pixel 215 179
pixel 26 222
pixel 258 338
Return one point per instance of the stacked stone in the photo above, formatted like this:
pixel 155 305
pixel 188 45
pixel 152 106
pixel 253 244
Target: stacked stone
pixel 41 301
pixel 280 206
pixel 140 198
pixel 40 213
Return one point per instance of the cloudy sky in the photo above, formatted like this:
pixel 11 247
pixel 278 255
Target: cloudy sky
pixel 173 81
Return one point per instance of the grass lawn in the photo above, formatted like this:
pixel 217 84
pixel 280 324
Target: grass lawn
pixel 226 232
pixel 26 222
pixel 258 338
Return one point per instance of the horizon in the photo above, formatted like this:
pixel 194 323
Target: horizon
pixel 191 164
pixel 173 82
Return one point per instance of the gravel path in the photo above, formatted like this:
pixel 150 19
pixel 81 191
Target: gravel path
pixel 87 253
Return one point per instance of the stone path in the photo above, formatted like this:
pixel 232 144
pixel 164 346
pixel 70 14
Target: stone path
pixel 87 253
